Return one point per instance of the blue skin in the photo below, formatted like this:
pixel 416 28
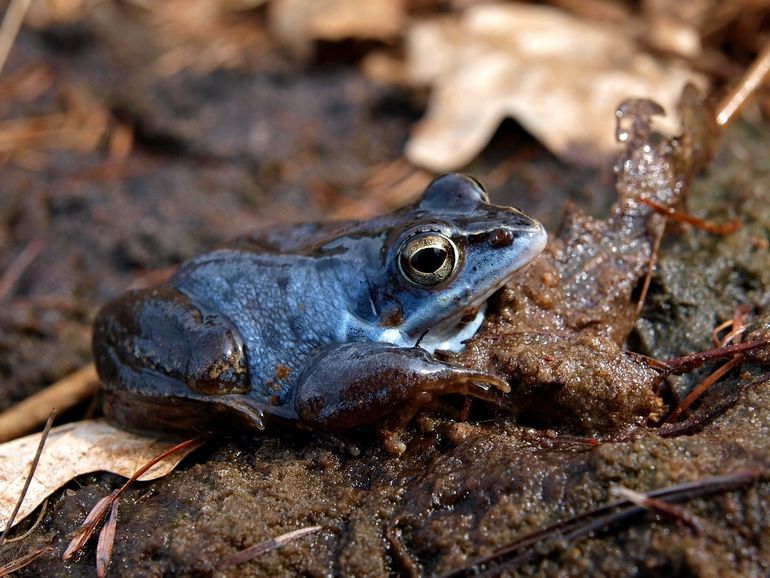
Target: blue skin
pixel 332 325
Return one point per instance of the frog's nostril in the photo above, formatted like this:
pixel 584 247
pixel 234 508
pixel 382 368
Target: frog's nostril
pixel 501 238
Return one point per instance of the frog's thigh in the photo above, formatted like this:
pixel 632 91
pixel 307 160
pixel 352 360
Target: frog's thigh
pixel 357 384
pixel 163 331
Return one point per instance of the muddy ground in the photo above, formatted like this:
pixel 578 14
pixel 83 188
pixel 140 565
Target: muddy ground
pixel 218 154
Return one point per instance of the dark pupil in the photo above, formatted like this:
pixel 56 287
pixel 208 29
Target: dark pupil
pixel 428 260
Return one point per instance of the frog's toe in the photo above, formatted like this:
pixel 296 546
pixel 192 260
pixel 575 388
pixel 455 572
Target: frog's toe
pixel 494 394
pixel 476 384
pixel 220 366
pixel 486 382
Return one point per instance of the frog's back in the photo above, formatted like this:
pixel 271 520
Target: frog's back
pixel 280 305
pixel 289 239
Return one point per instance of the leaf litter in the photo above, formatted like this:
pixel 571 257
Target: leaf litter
pixel 560 76
pixel 300 23
pixel 73 450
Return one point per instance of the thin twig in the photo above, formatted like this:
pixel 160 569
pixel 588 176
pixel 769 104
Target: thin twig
pixel 266 546
pixel 736 332
pixel 34 526
pixel 86 529
pixel 12 21
pixel 751 80
pixel 28 414
pixel 19 563
pixel 690 426
pixel 739 330
pixel 697 222
pixel 715 333
pixel 523 550
pixel 657 506
pixel 650 268
pixel 702 387
pixel 20 264
pixel 32 468
pixel 679 365
pixel 703 417
pixel 106 541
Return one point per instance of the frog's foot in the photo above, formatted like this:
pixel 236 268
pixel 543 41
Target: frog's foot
pixel 168 405
pixel 357 384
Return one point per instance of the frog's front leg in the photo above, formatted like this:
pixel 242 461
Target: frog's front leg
pixel 357 384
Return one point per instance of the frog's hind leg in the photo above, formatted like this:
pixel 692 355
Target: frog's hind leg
pixel 155 346
pixel 161 330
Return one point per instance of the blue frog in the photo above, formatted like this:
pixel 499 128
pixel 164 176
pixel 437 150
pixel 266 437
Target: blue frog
pixel 332 325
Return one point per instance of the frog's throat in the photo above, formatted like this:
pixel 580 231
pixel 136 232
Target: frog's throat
pixel 451 335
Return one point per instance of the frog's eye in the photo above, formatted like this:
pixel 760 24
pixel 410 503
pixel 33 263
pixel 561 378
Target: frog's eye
pixel 428 259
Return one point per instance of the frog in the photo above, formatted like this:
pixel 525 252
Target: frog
pixel 332 326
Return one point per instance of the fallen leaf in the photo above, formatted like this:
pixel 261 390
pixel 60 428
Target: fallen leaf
pixel 110 502
pixel 204 35
pixel 298 23
pixel 72 450
pixel 674 27
pixel 559 76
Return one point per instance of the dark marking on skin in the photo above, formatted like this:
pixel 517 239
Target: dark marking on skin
pixel 270 384
pixel 393 319
pixel 469 315
pixel 282 371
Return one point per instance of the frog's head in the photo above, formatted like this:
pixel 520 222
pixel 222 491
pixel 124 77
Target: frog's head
pixel 454 250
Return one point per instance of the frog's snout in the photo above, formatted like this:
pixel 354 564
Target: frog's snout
pixel 529 241
pixel 538 239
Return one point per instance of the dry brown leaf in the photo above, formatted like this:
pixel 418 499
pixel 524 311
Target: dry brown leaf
pixel 561 77
pixel 298 23
pixel 674 27
pixel 45 13
pixel 73 450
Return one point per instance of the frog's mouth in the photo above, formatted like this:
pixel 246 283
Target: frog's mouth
pixel 451 334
